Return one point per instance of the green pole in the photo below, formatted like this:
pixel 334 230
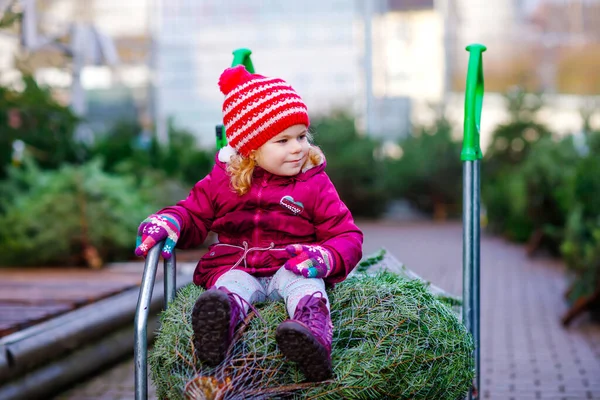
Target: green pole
pixel 221 138
pixel 240 57
pixel 471 156
pixel 473 101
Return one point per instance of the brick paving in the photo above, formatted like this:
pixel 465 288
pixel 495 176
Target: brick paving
pixel 525 351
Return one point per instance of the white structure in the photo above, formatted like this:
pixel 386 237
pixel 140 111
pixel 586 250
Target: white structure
pixel 180 47
pixel 88 27
pixel 497 24
pixel 310 44
pixel 410 51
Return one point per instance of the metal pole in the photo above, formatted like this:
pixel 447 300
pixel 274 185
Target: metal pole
pixel 170 280
pixel 54 338
pixel 471 262
pixel 468 244
pixel 446 9
pixel 141 321
pixel 58 374
pixel 78 43
pixel 471 156
pixel 29 38
pixel 476 328
pixel 156 89
pixel 368 64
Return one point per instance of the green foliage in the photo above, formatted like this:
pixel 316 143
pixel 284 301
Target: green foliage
pixel 358 175
pixel 581 252
pixel 51 217
pixel 44 125
pixel 505 186
pixel 429 173
pixel 392 340
pixel 548 173
pixel 183 159
pixel 533 183
pixel 124 143
pixel 587 185
pixel 511 144
pixel 10 17
pixel 506 206
pixel 374 259
pixel 521 105
pixel 47 128
pixel 593 142
pixel 581 247
pixel 535 195
pixel 126 149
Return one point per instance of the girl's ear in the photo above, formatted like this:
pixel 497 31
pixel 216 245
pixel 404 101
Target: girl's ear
pixel 253 155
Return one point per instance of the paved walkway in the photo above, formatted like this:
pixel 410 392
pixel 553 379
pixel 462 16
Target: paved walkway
pixel 525 352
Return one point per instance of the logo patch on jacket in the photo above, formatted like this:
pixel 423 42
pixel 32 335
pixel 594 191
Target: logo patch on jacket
pixel 294 206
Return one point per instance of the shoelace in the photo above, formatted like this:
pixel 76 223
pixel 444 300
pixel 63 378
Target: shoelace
pixel 239 301
pixel 314 309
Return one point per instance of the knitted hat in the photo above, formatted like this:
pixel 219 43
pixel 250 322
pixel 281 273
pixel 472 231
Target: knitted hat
pixel 257 108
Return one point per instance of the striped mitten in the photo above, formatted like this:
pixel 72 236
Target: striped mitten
pixel 155 228
pixel 309 261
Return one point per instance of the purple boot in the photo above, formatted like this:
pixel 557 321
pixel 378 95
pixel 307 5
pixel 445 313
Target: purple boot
pixel 306 339
pixel 214 319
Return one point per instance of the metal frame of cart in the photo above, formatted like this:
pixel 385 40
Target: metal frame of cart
pixel 470 156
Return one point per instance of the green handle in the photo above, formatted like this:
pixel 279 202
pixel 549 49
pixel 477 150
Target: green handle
pixel 221 138
pixel 473 100
pixel 240 57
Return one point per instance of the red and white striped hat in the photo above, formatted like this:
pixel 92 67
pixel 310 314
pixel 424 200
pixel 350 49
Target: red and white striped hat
pixel 257 108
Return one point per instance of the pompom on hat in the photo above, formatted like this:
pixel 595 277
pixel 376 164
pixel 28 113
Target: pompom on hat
pixel 257 108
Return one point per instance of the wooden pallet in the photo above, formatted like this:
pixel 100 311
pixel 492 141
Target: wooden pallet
pixel 30 296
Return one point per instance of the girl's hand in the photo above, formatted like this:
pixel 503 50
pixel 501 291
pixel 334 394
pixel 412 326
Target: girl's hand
pixel 309 261
pixel 154 229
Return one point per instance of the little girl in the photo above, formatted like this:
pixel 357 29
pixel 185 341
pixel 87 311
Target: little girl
pixel 283 232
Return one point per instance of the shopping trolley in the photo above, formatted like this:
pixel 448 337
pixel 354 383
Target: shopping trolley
pixel 470 156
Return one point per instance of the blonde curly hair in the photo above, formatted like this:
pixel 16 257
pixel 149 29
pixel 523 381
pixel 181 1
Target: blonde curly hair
pixel 240 169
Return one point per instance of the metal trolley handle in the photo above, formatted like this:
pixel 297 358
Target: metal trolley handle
pixel 240 56
pixel 143 310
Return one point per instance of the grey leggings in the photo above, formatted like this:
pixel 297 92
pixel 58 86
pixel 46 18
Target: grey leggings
pixel 284 285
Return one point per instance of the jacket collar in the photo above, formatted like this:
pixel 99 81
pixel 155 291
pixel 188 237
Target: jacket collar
pixel 309 170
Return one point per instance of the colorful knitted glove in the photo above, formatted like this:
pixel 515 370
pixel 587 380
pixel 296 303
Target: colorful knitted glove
pixel 309 261
pixel 154 229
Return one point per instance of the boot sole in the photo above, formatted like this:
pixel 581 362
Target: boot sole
pixel 298 344
pixel 210 321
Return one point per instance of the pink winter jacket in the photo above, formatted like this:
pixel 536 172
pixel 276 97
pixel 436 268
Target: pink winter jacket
pixel 276 212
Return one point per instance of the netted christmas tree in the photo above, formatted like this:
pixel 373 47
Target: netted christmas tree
pixel 394 338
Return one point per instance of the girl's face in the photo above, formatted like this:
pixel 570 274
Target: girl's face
pixel 286 153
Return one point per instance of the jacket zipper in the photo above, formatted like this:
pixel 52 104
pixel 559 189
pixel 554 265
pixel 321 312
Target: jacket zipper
pixel 256 234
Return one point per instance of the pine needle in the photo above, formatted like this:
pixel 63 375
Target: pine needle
pixel 393 339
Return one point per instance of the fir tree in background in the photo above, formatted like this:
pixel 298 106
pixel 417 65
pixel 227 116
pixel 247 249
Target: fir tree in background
pixel 351 164
pixel 45 126
pixel 429 173
pixel 548 174
pixel 75 215
pixel 581 247
pixel 503 190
